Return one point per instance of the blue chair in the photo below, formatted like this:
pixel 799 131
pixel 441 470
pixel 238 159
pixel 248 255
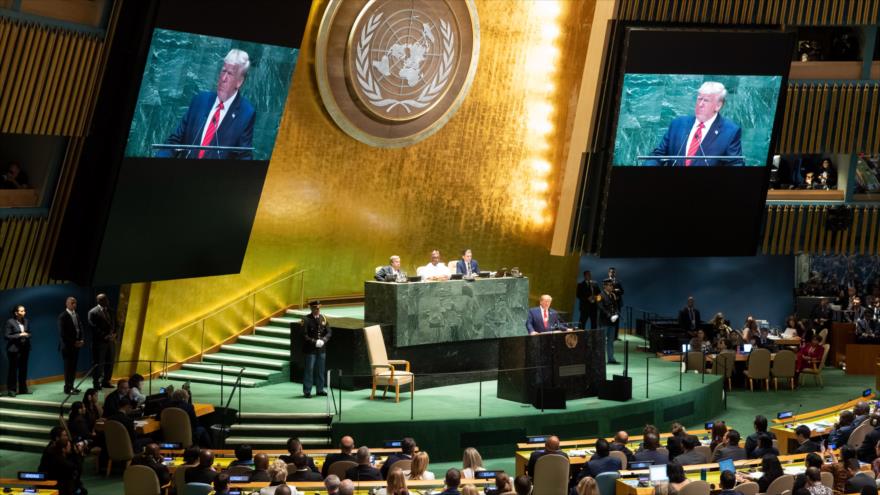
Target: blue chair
pixel 198 489
pixel 605 482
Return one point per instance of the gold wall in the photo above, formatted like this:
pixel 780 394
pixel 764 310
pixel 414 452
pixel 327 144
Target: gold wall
pixel 488 180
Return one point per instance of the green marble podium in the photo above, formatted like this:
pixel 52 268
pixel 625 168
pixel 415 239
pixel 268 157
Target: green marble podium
pixel 451 311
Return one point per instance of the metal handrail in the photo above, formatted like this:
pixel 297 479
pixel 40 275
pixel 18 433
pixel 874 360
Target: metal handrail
pixel 250 294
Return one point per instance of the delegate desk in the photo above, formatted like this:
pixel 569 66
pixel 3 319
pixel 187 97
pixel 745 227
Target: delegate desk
pixel 145 426
pixel 16 486
pixel 224 457
pixel 366 487
pixel 821 422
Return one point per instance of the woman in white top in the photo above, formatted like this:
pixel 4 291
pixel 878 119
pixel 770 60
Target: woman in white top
pixel 471 463
pixel 419 467
pixel 134 389
pixel 278 475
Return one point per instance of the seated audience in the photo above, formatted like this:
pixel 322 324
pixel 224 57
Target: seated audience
pixel 551 446
pixel 690 456
pixel 587 486
pixel 867 452
pixel 727 480
pixel 261 468
pixel 134 389
pixel 621 438
pixel 302 473
pixel 471 463
pixel 503 484
pixel 760 425
pixel 600 462
pixel 522 485
pixel 675 473
pixel 294 447
pixel 812 460
pixel 65 467
pixel 765 446
pixel 152 458
pixel 419 467
pixel 244 455
pixel 346 449
pixel 364 471
pixel 649 451
pixel 277 483
pixel 839 469
pixel 407 447
pixel 79 425
pixel 221 484
pixel 181 399
pixel 844 427
pixel 814 483
pixel 331 483
pixel 191 456
pixel 14 178
pixel 204 472
pixel 809 355
pixel 771 469
pixel 719 429
pixel 451 482
pixel 803 433
pixel 396 484
pixel 861 413
pixel 699 343
pixel 122 415
pixel 346 487
pixel 857 481
pixel 111 402
pixel 729 448
pixel 793 327
pixel 674 442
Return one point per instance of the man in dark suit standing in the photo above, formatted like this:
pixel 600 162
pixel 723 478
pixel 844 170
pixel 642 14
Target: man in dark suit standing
pixel 218 118
pixel 103 342
pixel 609 316
pixel 543 318
pixel 70 332
pixel 586 296
pixel 18 347
pixel 689 318
pixel 706 133
pixel 467 265
pixel 316 334
pixel 551 446
pixel 346 446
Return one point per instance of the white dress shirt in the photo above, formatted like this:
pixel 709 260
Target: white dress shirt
pixel 706 126
pixel 430 271
pixel 226 105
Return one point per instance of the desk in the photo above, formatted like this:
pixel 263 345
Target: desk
pixel 145 426
pixel 449 311
pixel 821 422
pixel 17 486
pixel 18 198
pixel 363 487
pixel 861 359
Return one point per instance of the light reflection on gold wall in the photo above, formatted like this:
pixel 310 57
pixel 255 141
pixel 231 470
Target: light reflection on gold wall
pixel 340 208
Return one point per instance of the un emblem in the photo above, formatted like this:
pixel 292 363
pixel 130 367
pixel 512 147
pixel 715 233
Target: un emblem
pixel 393 72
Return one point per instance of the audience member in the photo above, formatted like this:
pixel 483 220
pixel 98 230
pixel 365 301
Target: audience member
pixel 814 483
pixel 346 447
pixel 92 406
pixel 600 462
pixel 812 460
pixel 522 485
pixel 78 424
pixel 261 468
pixel 331 483
pixel 690 455
pixel 407 447
pixel 364 471
pixel 587 486
pixel 221 484
pixel 765 446
pixel 122 415
pixel 719 429
pixel 134 389
pixel 451 482
pixel 181 399
pixel 856 480
pixel 868 451
pixel 278 478
pixel 294 447
pixel 727 480
pixel 191 456
pixel 244 455
pixel 346 487
pixel 839 469
pixel 204 472
pixel 674 442
pixel 302 472
pixel 152 458
pixel 621 438
pixel 760 425
pixel 551 446
pixel 699 343
pixel 503 484
pixel 844 427
pixel 649 451
pixel 809 355
pixel 279 490
pixel 396 483
pixel 111 402
pixel 675 473
pixel 802 433
pixel 729 448
pixel 471 463
pixel 419 467
pixel 65 466
pixel 771 469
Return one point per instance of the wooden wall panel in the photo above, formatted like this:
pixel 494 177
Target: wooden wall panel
pixel 801 229
pixel 790 12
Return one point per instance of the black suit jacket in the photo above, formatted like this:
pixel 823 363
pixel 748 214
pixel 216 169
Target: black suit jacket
pixel 236 128
pixel 111 404
pixel 68 331
pixel 608 307
pixel 314 329
pixel 397 456
pixel 808 447
pixel 309 461
pixel 331 458
pixel 363 472
pixel 307 475
pixel 385 274
pixel 684 320
pixel 14 343
pixel 530 468
pixel 102 325
pixel 161 470
pixel 260 475
pixel 199 475
pixel 586 290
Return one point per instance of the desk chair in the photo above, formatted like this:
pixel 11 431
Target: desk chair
pixel 240 470
pixel 783 367
pixel 140 480
pixel 780 484
pixel 605 482
pixel 725 363
pixel 340 467
pixel 695 487
pixel 551 475
pixel 828 479
pixel 197 489
pixel 620 456
pixel 384 371
pixel 816 369
pixel 119 447
pixel 759 368
pixel 176 427
pixel 858 435
pixel 749 488
pixel 706 451
pixel 695 360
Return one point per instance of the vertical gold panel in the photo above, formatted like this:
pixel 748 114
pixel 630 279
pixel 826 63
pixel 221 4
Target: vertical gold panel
pixel 836 112
pixel 808 234
pixel 873 225
pixel 786 122
pixel 19 99
pixel 52 93
pixel 11 77
pixel 780 218
pixel 51 37
pixel 866 216
pixel 789 241
pixel 873 144
pixel 851 249
pixel 768 227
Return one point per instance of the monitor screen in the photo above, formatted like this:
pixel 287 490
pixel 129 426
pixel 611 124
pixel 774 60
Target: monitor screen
pixel 635 466
pixel 658 473
pixel 726 465
pixel 747 348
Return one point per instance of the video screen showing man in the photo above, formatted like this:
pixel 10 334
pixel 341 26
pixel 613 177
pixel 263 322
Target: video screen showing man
pixel 221 118
pixel 705 138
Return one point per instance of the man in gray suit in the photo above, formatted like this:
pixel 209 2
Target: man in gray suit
pixel 729 448
pixel 690 456
pixel 390 272
pixel 103 342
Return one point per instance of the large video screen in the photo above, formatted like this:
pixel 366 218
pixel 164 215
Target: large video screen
pixel 692 129
pixel 695 120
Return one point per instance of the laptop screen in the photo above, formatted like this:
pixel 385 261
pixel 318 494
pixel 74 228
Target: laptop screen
pixel 747 348
pixel 635 466
pixel 726 465
pixel 658 473
pixel 685 347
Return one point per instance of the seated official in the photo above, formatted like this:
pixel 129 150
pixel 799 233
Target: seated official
pixel 244 455
pixel 839 469
pixel 543 318
pixel 111 402
pixel 551 446
pixel 294 447
pixel 727 480
pixel 802 433
pixel 842 430
pixel 364 471
pixel 677 478
pixel 691 455
pixel 302 473
pixel 729 448
pixel 621 438
pixel 346 447
pixel 436 270
pixel 861 411
pixel 391 272
pixel 760 425
pixel 699 343
pixel 765 446
pixel 407 449
pixel 221 484
pixel 600 462
pixel 204 472
pixel 467 265
pixel 261 468
pixel 152 458
pixel 649 452
pixel 674 443
pixel 770 469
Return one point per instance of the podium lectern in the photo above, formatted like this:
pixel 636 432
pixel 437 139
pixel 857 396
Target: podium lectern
pixel 573 361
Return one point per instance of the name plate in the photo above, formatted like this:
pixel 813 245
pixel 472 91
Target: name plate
pixel 572 370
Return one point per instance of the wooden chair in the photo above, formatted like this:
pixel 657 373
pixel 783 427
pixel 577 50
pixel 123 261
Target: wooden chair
pixel 725 363
pixel 695 487
pixel 759 368
pixel 606 482
pixel 240 470
pixel 858 435
pixel 749 488
pixel 828 479
pixel 551 475
pixel 705 451
pixel 197 489
pixel 780 484
pixel 119 447
pixel 140 480
pixel 384 371
pixel 620 456
pixel 695 360
pixel 404 465
pixel 816 369
pixel 823 336
pixel 176 427
pixel 179 478
pixel 340 467
pixel 783 367
pixel 453 266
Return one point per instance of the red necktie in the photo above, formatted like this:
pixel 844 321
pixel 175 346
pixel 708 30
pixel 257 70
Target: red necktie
pixel 546 319
pixel 212 128
pixel 695 144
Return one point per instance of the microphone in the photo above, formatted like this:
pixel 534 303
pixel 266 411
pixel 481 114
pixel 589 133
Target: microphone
pixel 678 153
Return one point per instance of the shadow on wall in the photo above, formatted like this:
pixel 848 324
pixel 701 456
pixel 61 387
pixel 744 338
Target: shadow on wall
pixel 43 305
pixel 736 286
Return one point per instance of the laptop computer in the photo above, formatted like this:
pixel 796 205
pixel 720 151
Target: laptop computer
pixel 746 348
pixel 726 465
pixel 657 473
pixel 456 276
pixel 637 465
pixel 414 278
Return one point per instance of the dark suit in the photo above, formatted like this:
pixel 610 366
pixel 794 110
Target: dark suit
pixel 686 323
pixel 691 457
pixel 386 274
pixel 652 456
pixel 724 138
pixel 859 481
pixel 734 452
pixel 304 475
pixel 587 290
pixel 260 475
pixel 236 128
pixel 460 267
pixel 331 458
pixel 111 404
pixel 103 344
pixel 315 358
pixel 599 465
pixel 608 307
pixel 18 349
pixel 533 459
pixel 617 289
pixel 535 321
pixel 156 465
pixel 363 472
pixel 200 475
pixel 808 447
pixel 752 444
pixel 867 450
pixel 398 456
pixel 623 448
pixel 309 461
pixel 70 332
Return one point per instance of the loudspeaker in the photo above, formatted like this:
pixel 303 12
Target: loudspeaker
pixel 619 388
pixel 550 398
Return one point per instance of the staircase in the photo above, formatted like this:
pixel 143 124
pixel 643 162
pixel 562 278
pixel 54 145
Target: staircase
pixel 264 355
pixel 25 423
pixel 271 430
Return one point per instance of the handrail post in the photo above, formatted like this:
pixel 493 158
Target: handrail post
pixel 221 383
pixel 150 385
pixel 647 371
pixel 202 344
pixel 302 289
pixel 681 371
pixel 254 312
pixel 165 360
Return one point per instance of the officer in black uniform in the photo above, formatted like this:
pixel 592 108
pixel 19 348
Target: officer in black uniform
pixel 316 334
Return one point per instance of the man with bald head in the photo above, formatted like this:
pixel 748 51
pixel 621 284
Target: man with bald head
pixel 204 472
pixel 346 487
pixel 283 490
pixel 261 468
pixel 551 446
pixel 346 447
pixel 543 318
pixel 364 471
pixel 152 458
pixel 621 438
